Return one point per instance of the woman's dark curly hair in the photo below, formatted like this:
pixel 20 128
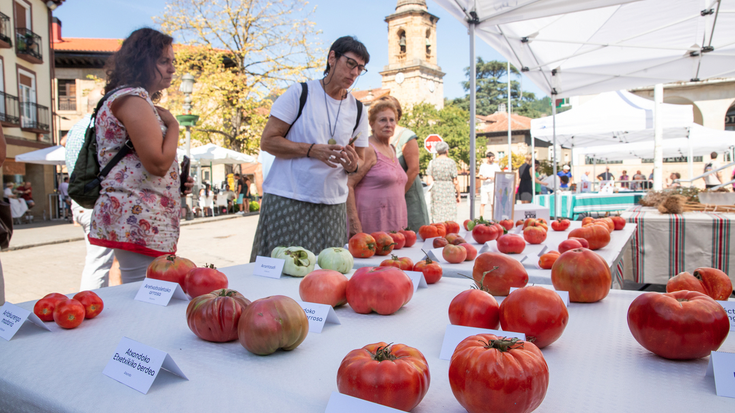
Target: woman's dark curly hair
pixel 135 63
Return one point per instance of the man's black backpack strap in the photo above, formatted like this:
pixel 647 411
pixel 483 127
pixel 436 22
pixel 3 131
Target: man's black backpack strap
pixel 302 103
pixel 359 115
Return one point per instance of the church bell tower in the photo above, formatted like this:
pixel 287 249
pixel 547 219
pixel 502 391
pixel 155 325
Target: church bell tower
pixel 412 74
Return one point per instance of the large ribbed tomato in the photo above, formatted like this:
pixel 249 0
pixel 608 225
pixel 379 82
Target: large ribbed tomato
pixel 497 273
pixel 535 311
pixel 272 323
pixel 710 281
pixel 324 287
pixel 204 280
pixel 392 375
pixel 475 308
pixel 583 273
pixel 215 316
pixel 381 289
pixel 170 268
pixel 682 325
pixel 597 236
pixel 495 374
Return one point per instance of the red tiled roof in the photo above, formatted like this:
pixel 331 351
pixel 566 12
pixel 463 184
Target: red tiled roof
pixel 77 44
pixel 498 122
pixel 368 96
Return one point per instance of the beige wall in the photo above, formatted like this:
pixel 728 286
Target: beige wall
pixel 85 84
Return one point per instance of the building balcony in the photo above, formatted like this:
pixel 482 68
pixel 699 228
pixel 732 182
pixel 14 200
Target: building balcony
pixel 5 41
pixel 9 110
pixel 34 118
pixel 28 46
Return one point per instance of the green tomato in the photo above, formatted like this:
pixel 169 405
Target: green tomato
pixel 337 259
pixel 298 261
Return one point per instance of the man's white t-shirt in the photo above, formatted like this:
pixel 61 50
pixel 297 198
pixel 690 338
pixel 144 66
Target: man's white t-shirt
pixel 711 179
pixel 64 189
pixel 309 179
pixel 488 171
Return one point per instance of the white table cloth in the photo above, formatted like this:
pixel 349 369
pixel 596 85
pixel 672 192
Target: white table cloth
pixel 596 366
pixel 612 253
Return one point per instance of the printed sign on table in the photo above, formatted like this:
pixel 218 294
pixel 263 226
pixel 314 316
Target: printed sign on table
pixel 729 307
pixel 455 334
pixel 722 367
pixel 160 292
pixel 13 317
pixel 137 365
pixel 318 315
pixel 268 267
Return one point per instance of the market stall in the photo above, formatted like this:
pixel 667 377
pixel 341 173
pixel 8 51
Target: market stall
pixel 594 362
pixel 573 205
pixel 664 245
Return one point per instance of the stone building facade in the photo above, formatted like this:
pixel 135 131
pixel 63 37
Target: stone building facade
pixel 412 74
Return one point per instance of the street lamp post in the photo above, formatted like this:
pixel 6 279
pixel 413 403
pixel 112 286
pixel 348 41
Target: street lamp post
pixel 187 120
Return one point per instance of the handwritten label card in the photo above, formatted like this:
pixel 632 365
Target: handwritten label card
pixel 729 307
pixel 455 334
pixel 722 367
pixel 13 317
pixel 340 403
pixel 160 292
pixel 418 280
pixel 564 295
pixel 268 267
pixel 136 365
pixel 318 315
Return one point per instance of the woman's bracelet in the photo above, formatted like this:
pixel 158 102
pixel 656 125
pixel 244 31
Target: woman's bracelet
pixel 307 152
pixel 357 165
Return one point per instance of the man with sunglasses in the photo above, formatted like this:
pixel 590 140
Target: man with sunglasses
pixel 317 133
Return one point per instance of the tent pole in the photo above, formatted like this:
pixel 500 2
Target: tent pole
pixel 510 143
pixel 473 155
pixel 557 205
pixel 658 132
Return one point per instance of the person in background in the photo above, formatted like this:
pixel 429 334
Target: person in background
pixel 8 192
pixel 525 186
pixel 138 210
pixel 407 149
pixel 487 176
pixel 376 201
pixel 624 177
pixel 566 171
pixel 539 185
pixel 305 191
pixel 714 179
pixel 240 191
pixel 445 194
pixel 606 176
pixel 64 199
pixel 673 177
pixel 206 199
pixel 26 192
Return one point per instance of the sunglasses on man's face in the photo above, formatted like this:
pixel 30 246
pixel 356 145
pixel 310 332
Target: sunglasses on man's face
pixel 352 64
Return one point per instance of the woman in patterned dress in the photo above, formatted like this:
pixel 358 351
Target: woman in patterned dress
pixel 137 212
pixel 442 172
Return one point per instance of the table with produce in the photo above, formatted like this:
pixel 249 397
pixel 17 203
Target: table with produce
pixel 244 342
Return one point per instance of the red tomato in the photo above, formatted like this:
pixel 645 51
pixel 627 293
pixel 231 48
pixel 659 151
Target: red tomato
pixel 428 231
pixel 471 251
pixel 547 260
pixel 383 290
pixel 584 242
pixel 362 245
pixel 597 236
pixel 570 244
pixel 440 242
pixel 619 222
pixel 392 375
pixel 534 235
pixel 682 325
pixel 537 312
pixel 204 280
pixel 44 308
pixel 511 244
pixel 715 282
pixel 441 229
pixel 69 313
pixel 431 269
pixel 560 224
pixel 170 268
pixel 399 239
pixel 507 224
pixel 454 254
pixel 466 221
pixel 496 273
pixel 490 373
pixel 519 222
pixel 475 308
pixel 403 263
pixel 92 303
pixel 455 239
pixel 583 273
pixel 684 281
pixel 324 287
pixel 587 220
pixel 215 316
pixel 483 233
pixel 383 243
pixel 272 323
pixel 410 237
pixel 452 227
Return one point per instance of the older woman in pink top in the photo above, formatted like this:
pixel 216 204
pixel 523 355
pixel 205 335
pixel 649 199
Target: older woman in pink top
pixel 376 200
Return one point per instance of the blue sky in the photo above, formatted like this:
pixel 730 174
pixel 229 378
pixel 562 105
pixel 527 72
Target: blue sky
pixel 335 18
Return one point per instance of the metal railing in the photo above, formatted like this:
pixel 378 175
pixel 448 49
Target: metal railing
pixel 27 42
pixel 34 116
pixel 68 103
pixel 5 29
pixel 708 173
pixel 9 109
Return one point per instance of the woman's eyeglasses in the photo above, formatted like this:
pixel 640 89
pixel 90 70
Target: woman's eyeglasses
pixel 352 64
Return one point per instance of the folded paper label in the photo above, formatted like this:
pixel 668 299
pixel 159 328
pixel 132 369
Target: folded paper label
pixel 729 307
pixel 13 317
pixel 455 334
pixel 159 292
pixel 137 365
pixel 417 278
pixel 268 267
pixel 318 315
pixel 340 403
pixel 722 367
pixel 428 244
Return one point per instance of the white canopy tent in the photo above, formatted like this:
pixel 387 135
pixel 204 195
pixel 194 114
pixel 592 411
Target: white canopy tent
pixel 54 155
pixel 613 117
pixel 217 155
pixel 581 47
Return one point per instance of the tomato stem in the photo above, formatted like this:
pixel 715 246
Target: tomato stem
pixel 383 353
pixel 504 344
